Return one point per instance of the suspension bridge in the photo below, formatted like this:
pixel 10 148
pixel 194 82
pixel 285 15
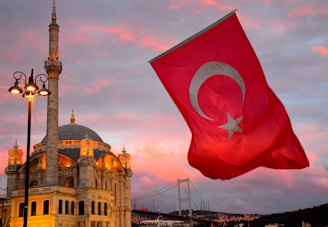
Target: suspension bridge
pixel 177 201
pixel 179 195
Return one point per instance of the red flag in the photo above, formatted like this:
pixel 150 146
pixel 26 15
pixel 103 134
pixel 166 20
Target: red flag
pixel 236 120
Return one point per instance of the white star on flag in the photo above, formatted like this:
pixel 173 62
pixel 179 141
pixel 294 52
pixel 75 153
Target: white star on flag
pixel 232 125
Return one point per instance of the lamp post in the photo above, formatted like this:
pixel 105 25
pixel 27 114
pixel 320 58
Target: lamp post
pixel 31 90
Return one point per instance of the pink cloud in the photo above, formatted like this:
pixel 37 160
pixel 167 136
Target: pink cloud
pixel 91 33
pixel 77 36
pixel 310 132
pixel 3 163
pixel 25 41
pixel 96 86
pixel 164 162
pixel 9 54
pixel 324 182
pixel 153 42
pixel 308 11
pixel 121 31
pixel 323 51
pixel 254 25
pixel 170 121
pixel 177 5
pixel 104 82
pixel 302 12
pixel 124 116
pixel 277 26
pixel 31 40
pixel 290 180
pixel 94 33
pixel 266 2
pixel 4 93
pixel 147 181
pixel 217 5
pixel 315 155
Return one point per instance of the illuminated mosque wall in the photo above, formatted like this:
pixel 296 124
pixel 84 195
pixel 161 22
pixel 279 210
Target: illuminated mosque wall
pixel 93 189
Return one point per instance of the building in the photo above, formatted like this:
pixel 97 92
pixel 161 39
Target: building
pixel 74 178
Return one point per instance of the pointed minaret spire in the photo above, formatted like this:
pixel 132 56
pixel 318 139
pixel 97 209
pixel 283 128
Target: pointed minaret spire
pixel 53 16
pixel 53 67
pixel 53 38
pixel 16 145
pixel 123 151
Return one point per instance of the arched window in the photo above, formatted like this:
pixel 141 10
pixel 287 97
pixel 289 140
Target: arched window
pixel 105 209
pixel 46 207
pixel 33 208
pixel 66 207
pixel 21 210
pixel 93 207
pixel 99 208
pixel 60 206
pixel 72 207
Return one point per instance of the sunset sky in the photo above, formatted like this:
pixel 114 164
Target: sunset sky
pixel 105 47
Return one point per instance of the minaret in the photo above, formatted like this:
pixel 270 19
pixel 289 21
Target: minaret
pixel 53 68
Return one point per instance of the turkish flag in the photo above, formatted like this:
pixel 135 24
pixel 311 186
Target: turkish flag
pixel 236 120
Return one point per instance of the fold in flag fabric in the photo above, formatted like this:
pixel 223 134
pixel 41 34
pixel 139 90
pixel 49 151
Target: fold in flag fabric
pixel 236 121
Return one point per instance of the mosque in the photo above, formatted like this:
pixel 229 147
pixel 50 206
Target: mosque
pixel 74 178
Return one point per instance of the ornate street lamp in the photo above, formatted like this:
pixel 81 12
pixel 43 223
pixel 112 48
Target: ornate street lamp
pixel 31 90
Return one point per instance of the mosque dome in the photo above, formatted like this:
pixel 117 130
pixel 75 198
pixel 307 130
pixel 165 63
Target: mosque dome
pixel 70 137
pixel 75 132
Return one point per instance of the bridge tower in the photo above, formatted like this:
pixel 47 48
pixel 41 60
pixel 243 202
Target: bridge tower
pixel 187 198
